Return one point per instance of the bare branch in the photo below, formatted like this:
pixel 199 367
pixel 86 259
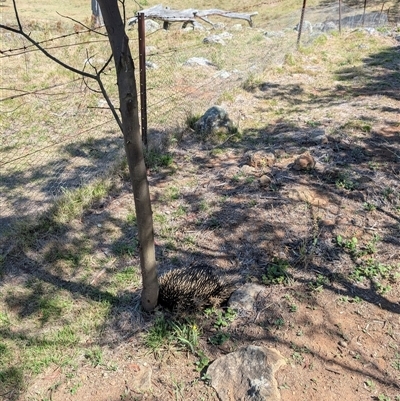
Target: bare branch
pixel 123 12
pixel 17 15
pixel 105 64
pixel 25 48
pixel 47 54
pixel 140 6
pixel 82 24
pixel 82 73
pixel 110 105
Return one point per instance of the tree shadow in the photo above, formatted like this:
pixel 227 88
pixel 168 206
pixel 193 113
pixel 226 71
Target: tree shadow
pixel 216 221
pixel 373 81
pixel 25 193
pixel 228 220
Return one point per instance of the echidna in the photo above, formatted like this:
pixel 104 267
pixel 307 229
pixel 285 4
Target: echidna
pixel 192 287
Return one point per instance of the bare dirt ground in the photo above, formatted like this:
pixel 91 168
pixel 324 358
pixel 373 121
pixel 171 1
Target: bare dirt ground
pixel 334 229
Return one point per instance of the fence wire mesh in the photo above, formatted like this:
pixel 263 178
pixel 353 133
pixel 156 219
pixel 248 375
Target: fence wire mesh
pixel 57 134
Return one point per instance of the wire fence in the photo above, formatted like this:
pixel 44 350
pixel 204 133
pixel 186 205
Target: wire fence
pixel 57 134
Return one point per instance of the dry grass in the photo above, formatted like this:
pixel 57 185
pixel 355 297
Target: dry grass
pixel 70 320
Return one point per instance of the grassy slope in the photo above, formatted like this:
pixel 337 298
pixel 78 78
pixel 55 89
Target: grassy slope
pixel 68 279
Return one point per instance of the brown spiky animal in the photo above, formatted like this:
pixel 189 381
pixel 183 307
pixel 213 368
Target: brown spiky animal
pixel 192 288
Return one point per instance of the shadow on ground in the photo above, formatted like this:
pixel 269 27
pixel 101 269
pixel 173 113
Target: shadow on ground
pixel 218 213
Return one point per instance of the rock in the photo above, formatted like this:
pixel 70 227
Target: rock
pixel 102 103
pixel 192 26
pixel 151 49
pixel 279 153
pixel 274 34
pixel 371 31
pixel 219 25
pixel 265 180
pixel 199 61
pixel 307 27
pixel 232 172
pixel 218 39
pixel 260 159
pixel 141 377
pixel 247 170
pixel 320 168
pixel 329 26
pixel 214 39
pixel 304 162
pixel 157 141
pixel 214 120
pixel 151 66
pixel 226 35
pixel 237 27
pixel 318 136
pixel 222 74
pixel 151 26
pixel 244 298
pixel 246 375
pixel 197 26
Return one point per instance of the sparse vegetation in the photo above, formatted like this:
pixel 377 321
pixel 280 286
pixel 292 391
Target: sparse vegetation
pixel 70 320
pixel 277 272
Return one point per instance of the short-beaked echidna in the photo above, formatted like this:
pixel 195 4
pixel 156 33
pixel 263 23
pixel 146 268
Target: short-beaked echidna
pixel 192 287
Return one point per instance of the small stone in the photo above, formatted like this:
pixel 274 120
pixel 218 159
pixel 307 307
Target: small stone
pixel 151 49
pixel 214 39
pixel 279 153
pixel 151 26
pixel 343 343
pixel 236 27
pixel 260 159
pixel 201 61
pixel 151 66
pixel 318 136
pixel 265 180
pixel 304 162
pixel 247 170
pixel 244 298
pixel 222 74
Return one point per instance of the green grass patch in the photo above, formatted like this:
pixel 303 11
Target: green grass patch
pixel 127 277
pixel 125 247
pixel 277 272
pixel 156 160
pixel 357 125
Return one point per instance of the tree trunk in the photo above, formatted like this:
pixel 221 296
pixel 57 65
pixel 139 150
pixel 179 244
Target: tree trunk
pixel 133 147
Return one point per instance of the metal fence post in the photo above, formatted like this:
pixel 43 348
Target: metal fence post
pixel 301 22
pixel 365 7
pixel 142 67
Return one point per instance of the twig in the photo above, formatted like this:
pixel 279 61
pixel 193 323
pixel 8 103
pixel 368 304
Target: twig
pixel 81 24
pixel 223 143
pixel 82 73
pixel 332 370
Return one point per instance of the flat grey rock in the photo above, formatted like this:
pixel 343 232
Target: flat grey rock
pixel 247 374
pixel 244 298
pixel 193 61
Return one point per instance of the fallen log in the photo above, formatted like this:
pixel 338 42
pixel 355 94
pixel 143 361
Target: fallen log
pixel 165 14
